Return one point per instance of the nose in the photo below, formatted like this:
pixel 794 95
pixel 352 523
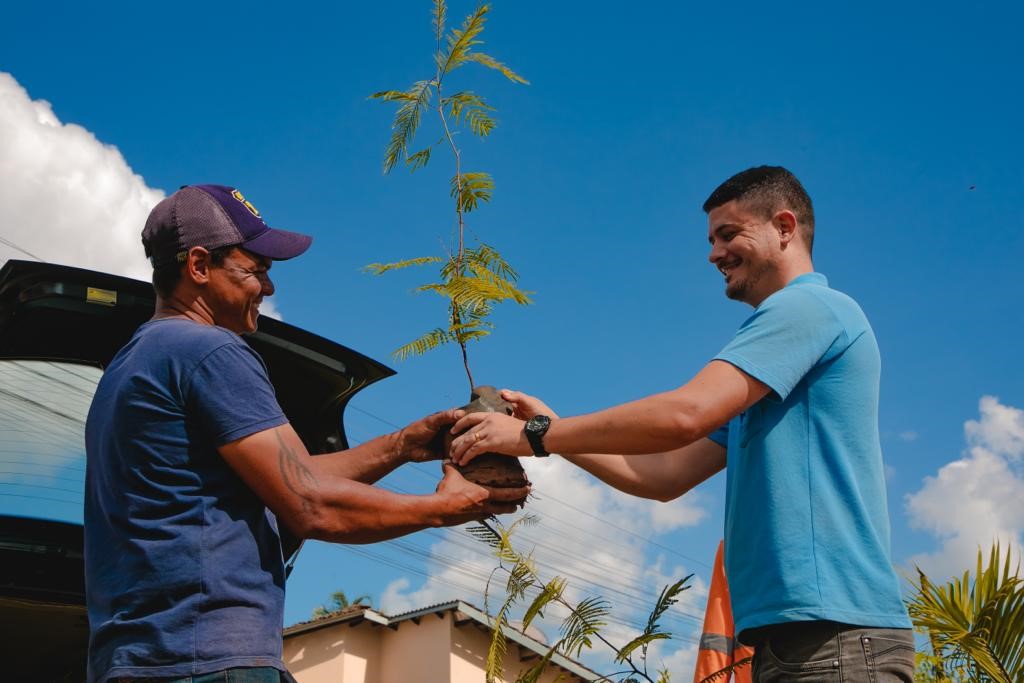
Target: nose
pixel 717 252
pixel 268 285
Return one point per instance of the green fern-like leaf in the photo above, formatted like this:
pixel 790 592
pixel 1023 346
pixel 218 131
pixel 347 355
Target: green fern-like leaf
pixel 381 268
pixel 475 187
pixel 480 122
pixel 407 119
pixel 584 621
pixel 492 63
pixel 504 289
pixel 419 159
pixel 725 673
pixel 652 631
pixel 550 592
pixel 438 17
pixel 534 673
pixel 462 40
pixel 431 340
pixel 461 102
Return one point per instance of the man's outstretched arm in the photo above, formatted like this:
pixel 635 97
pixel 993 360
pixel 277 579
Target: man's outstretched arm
pixel 314 502
pixel 660 476
pixel 654 424
pixel 369 461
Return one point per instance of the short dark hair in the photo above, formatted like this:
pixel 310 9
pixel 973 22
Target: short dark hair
pixel 766 190
pixel 167 277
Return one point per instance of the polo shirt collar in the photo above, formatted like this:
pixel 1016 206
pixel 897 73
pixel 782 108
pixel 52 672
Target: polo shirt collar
pixel 809 279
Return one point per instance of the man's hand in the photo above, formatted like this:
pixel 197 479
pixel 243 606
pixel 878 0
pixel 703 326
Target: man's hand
pixel 471 502
pixel 488 433
pixel 526 406
pixel 423 440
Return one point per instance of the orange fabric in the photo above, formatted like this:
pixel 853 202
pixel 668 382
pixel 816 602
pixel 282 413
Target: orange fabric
pixel 718 645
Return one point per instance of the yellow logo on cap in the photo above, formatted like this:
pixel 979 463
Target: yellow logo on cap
pixel 246 203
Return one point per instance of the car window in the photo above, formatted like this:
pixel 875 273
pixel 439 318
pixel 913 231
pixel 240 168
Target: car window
pixel 43 406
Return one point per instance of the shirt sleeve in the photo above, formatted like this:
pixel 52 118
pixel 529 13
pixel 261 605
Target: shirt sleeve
pixel 231 396
pixel 785 337
pixel 721 435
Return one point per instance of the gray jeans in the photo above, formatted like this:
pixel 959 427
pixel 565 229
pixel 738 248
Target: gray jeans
pixel 820 651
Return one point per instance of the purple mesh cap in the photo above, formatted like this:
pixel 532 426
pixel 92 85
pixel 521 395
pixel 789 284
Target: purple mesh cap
pixel 213 216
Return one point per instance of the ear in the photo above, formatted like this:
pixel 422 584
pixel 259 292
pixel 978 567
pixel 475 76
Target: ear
pixel 197 265
pixel 786 224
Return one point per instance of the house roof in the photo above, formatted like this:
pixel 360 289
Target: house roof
pixel 463 612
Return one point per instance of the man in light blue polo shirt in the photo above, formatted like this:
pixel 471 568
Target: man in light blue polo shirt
pixel 790 408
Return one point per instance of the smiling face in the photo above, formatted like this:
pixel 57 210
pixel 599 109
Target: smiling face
pixel 746 250
pixel 236 288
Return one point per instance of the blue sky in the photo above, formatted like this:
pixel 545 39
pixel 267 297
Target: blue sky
pixel 901 120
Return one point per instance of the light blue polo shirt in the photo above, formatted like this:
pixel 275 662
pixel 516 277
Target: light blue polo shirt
pixel 806 521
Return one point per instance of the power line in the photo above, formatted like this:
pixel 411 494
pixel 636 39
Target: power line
pixel 12 245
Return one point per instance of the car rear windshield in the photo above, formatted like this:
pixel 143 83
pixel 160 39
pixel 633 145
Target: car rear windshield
pixel 43 405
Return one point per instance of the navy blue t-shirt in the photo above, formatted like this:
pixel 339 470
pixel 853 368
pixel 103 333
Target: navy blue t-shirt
pixel 183 566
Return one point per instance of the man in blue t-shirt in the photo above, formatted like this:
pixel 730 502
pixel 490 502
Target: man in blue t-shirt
pixel 790 408
pixel 191 465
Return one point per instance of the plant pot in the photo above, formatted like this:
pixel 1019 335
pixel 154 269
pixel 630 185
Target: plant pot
pixel 491 469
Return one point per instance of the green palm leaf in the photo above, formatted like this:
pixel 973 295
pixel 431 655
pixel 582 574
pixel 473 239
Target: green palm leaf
pixel 975 622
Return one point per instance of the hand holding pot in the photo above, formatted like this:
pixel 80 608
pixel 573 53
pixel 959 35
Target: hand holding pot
pixel 470 502
pixel 526 406
pixel 488 433
pixel 423 439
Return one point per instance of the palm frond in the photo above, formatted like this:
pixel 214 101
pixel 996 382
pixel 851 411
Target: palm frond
pixel 381 268
pixel 431 340
pixel 492 63
pixel 976 621
pixel 407 119
pixel 469 189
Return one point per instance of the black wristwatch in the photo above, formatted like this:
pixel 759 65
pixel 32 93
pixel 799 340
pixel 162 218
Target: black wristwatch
pixel 536 427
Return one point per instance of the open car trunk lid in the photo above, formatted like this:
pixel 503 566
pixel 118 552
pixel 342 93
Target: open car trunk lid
pixel 59 326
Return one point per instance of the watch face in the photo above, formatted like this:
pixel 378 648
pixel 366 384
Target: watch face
pixel 538 424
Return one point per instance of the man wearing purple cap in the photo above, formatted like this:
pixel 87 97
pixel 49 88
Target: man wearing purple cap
pixel 191 464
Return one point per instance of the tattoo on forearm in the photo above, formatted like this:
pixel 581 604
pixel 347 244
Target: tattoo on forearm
pixel 296 475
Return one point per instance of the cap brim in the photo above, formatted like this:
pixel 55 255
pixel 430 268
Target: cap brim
pixel 278 244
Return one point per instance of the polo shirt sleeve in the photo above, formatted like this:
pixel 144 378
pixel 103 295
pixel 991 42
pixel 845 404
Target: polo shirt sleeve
pixel 231 396
pixel 721 435
pixel 785 337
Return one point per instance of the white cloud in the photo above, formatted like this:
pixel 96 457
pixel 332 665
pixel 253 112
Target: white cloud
pixel 65 196
pixel 575 538
pixel 1001 428
pixel 909 435
pixel 977 499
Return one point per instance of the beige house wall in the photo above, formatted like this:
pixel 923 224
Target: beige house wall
pixel 335 654
pixel 434 650
pixel 416 652
pixel 469 656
